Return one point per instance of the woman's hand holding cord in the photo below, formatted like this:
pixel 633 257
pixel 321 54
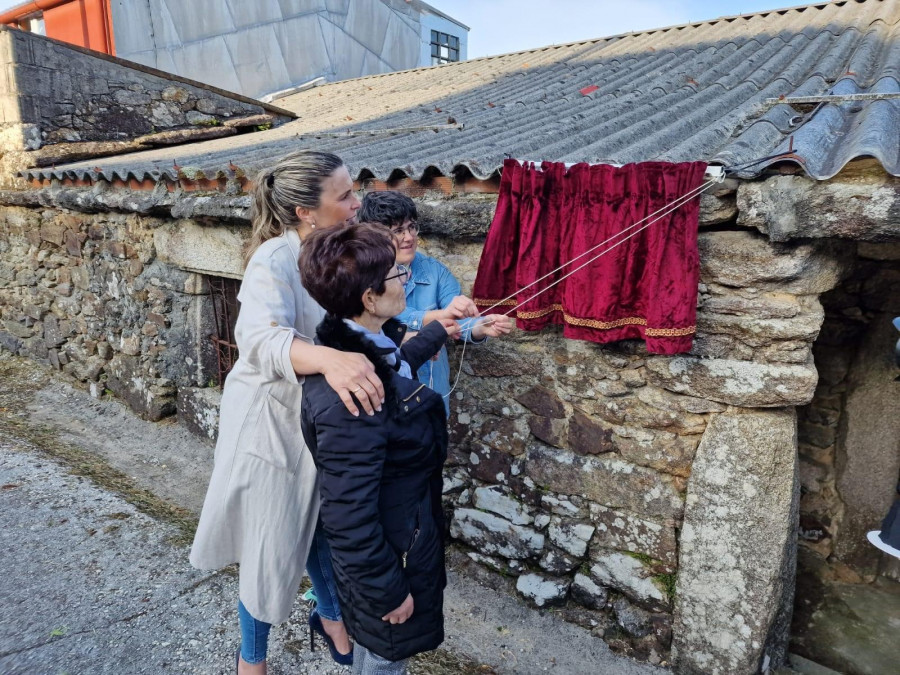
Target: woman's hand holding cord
pixel 452 327
pixel 493 325
pixel 458 308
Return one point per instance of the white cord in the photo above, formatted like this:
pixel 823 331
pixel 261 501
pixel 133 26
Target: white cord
pixel 668 208
pixel 678 203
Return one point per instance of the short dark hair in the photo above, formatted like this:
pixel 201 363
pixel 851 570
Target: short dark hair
pixel 338 264
pixel 387 208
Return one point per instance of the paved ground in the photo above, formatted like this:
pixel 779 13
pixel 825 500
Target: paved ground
pixel 90 584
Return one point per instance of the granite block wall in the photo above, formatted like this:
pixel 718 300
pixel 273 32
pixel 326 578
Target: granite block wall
pixel 654 499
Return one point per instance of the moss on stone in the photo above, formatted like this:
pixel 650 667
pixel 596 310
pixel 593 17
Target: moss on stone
pixel 643 557
pixel 667 583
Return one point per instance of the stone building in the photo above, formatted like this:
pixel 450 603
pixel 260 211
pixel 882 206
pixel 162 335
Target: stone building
pixel 254 48
pixel 661 501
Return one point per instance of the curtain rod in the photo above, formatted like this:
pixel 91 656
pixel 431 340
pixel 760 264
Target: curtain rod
pixel 716 172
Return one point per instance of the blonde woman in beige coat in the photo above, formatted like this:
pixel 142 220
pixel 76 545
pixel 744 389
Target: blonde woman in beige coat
pixel 262 505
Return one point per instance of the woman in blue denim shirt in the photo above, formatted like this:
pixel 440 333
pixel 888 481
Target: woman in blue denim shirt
pixel 433 293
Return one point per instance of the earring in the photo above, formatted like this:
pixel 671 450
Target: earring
pixel 312 226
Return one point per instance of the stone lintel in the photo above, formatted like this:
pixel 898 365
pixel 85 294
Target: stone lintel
pixel 862 205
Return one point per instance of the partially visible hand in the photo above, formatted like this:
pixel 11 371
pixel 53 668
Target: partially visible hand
pixel 493 325
pixel 402 613
pixel 452 327
pixel 353 375
pixel 460 307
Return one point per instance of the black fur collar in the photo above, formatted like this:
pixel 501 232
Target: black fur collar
pixel 333 332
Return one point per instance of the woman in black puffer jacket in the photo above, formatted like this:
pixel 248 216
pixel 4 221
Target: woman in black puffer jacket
pixel 380 475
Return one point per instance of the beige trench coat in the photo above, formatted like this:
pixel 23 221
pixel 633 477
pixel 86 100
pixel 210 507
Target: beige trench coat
pixel 263 498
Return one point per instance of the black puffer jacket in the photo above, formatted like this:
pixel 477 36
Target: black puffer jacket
pixel 381 494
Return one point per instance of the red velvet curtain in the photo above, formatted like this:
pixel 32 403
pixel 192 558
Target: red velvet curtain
pixel 644 288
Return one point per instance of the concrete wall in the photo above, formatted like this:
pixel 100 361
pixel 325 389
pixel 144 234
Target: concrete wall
pixel 652 499
pixel 259 47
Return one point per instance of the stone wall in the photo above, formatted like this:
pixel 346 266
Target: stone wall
pixel 626 487
pixel 651 498
pixel 88 104
pixel 89 295
pixel 849 448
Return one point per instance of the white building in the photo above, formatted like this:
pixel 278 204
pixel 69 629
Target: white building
pixel 254 47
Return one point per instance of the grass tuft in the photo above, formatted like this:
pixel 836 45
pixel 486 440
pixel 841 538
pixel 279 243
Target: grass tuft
pixel 442 662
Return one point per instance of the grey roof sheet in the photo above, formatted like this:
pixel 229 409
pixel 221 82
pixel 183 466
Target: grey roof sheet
pixel 692 92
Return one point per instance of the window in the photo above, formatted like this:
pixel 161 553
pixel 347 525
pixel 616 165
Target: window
pixel 223 294
pixel 444 48
pixel 33 23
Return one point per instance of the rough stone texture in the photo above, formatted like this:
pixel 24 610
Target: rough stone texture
pixel 650 633
pixel 493 535
pixel 207 250
pixel 853 359
pixel 56 93
pixel 737 560
pixel 159 202
pixel 87 294
pixel 628 575
pixel 624 531
pixel 858 205
pixel 868 458
pixel 742 383
pixel 571 537
pixel 541 591
pixel 494 500
pixel 198 410
pixel 606 480
pixel 460 218
pixel 743 259
pixel 848 627
pixel 550 437
pixel 719 204
pixel 587 592
pixel 468 217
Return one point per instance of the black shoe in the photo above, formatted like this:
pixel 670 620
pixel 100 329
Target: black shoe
pixel 315 626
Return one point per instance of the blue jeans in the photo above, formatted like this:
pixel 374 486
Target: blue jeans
pixel 255 633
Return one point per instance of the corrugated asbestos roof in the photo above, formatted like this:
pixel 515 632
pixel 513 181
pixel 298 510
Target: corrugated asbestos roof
pixel 692 92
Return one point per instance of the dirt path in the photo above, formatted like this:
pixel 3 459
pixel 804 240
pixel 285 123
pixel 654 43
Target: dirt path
pixel 157 474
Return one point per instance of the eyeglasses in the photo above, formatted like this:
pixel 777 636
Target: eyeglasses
pixel 400 230
pixel 402 274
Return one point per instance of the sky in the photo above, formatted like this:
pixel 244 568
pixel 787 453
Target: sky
pixel 502 26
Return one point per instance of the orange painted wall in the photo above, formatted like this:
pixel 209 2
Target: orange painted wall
pixel 86 23
pixel 81 22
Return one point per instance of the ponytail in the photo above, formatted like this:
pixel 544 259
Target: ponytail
pixel 295 180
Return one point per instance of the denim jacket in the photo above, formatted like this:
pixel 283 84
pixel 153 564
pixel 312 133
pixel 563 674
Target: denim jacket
pixel 432 286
